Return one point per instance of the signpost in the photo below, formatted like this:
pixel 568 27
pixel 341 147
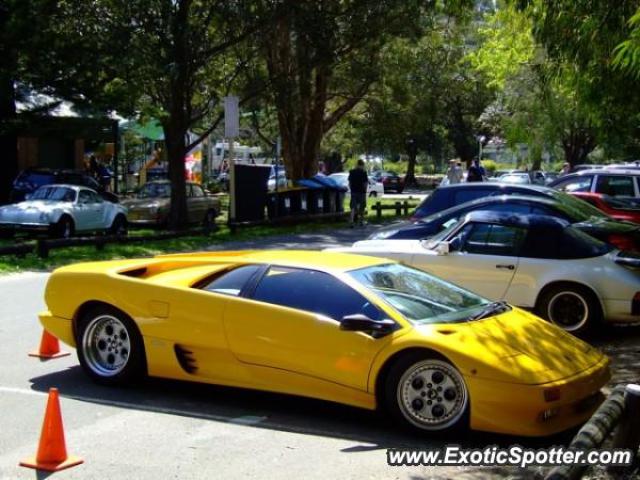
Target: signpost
pixel 231 131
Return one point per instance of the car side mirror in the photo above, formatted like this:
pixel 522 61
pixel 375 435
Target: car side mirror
pixel 361 323
pixel 442 248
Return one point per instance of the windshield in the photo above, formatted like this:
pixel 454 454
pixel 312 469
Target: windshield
pixel 54 194
pixel 155 190
pixel 418 296
pixel 448 226
pixel 576 209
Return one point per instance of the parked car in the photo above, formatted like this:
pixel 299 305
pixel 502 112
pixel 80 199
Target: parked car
pixel 612 182
pixel 446 197
pixel 374 188
pixel 345 328
pixel 62 211
pixel 517 178
pixel 583 216
pixel 533 261
pixel 620 208
pixel 279 177
pixel 153 201
pixel 29 180
pixel 391 181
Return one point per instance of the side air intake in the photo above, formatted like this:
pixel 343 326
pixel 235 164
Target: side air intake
pixel 186 359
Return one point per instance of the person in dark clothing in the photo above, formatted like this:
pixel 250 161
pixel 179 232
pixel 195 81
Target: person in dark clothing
pixel 358 182
pixel 476 172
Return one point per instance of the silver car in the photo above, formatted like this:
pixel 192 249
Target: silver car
pixel 62 211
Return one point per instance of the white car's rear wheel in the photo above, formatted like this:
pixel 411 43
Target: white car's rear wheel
pixel 571 307
pixel 428 394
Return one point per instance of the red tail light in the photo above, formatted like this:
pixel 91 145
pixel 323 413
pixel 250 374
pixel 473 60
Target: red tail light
pixel 622 242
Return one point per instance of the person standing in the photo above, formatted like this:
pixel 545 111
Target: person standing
pixel 566 169
pixel 476 172
pixel 454 173
pixel 358 182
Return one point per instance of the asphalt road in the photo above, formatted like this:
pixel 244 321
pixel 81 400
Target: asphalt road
pixel 166 429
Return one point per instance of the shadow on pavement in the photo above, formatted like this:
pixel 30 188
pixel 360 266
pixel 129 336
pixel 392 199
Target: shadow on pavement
pixel 267 410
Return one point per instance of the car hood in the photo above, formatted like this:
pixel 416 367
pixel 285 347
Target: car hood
pixel 388 246
pixel 395 228
pixel 33 206
pixel 145 202
pixel 517 347
pixel 608 225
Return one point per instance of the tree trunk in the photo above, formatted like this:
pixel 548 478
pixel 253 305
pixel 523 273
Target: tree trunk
pixel 410 177
pixel 577 145
pixel 8 135
pixel 176 151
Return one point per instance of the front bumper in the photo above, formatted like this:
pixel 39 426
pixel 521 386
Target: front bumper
pixel 59 327
pixel 516 409
pixel 24 227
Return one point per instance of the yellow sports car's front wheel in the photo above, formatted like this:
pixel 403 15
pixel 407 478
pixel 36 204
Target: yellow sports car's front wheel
pixel 428 394
pixel 110 348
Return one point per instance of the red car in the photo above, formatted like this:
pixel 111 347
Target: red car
pixel 619 208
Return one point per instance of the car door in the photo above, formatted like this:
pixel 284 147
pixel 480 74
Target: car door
pixel 196 203
pixel 292 322
pixel 84 211
pixel 485 260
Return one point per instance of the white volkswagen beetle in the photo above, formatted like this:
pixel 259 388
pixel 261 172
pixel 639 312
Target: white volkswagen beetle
pixel 533 261
pixel 62 210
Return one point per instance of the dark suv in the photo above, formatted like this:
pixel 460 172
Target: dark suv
pixel 29 180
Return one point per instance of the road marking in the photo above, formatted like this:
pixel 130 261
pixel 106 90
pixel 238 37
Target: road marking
pixel 246 420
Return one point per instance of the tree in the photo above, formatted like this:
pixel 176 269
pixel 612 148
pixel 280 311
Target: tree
pixel 427 97
pixel 581 36
pixel 182 57
pixel 322 57
pixel 541 100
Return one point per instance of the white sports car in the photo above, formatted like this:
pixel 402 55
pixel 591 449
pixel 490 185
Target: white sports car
pixel 532 261
pixel 62 210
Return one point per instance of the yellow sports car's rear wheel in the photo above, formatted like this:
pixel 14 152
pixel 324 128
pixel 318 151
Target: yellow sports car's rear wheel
pixel 428 394
pixel 110 348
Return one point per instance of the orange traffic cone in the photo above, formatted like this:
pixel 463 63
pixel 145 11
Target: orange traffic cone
pixel 52 451
pixel 49 347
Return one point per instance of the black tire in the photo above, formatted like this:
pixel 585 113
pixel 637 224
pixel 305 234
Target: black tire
pixel 427 394
pixel 209 221
pixel 110 347
pixel 373 194
pixel 64 228
pixel 119 227
pixel 572 307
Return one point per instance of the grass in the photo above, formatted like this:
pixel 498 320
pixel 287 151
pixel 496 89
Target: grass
pixel 64 256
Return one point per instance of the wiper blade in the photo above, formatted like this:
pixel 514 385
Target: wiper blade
pixel 492 308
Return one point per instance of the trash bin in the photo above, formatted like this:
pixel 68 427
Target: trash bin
pixel 340 201
pixel 330 200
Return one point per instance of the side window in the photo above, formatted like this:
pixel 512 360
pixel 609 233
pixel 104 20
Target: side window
pixel 577 184
pixel 488 239
pixel 231 282
pixel 542 243
pixel 615 185
pixel 196 191
pixel 314 292
pixel 84 197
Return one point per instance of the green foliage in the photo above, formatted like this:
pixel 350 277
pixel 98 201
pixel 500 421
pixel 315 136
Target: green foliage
pixel 490 166
pixel 627 54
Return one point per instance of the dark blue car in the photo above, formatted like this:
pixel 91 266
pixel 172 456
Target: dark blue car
pixel 583 216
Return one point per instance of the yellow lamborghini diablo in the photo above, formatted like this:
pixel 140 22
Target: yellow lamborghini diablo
pixel 345 328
